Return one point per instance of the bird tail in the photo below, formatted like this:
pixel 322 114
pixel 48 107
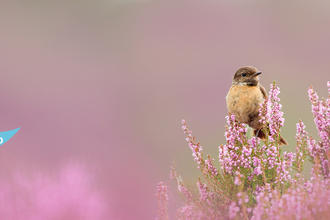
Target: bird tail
pixel 262 136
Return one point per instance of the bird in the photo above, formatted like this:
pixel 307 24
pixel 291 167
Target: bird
pixel 244 98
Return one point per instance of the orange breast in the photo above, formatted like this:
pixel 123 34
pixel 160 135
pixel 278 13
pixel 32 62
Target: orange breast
pixel 244 101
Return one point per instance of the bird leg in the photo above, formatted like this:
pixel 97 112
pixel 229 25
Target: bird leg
pixel 257 133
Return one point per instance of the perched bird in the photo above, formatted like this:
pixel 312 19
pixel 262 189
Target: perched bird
pixel 244 99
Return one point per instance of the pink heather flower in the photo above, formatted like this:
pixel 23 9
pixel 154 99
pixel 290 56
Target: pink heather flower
pixel 284 167
pixel 238 178
pixel 257 171
pixel 276 120
pixel 67 195
pixel 185 192
pixel 242 160
pixel 188 211
pixel 236 152
pixel 195 147
pixel 173 173
pixel 301 147
pixel 162 195
pixel 205 194
pixel 295 203
pixel 211 167
pixel 246 199
pixel 325 166
pixel 274 116
pixel 321 113
pixel 259 189
pixel 313 148
pixel 233 209
pixel 202 190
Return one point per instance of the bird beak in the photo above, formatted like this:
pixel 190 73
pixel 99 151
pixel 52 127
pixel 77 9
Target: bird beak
pixel 257 73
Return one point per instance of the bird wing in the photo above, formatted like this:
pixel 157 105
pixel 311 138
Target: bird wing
pixel 263 90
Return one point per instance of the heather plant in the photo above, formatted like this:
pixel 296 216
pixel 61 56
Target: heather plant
pixel 256 179
pixel 66 195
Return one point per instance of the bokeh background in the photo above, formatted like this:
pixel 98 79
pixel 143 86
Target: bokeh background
pixel 104 85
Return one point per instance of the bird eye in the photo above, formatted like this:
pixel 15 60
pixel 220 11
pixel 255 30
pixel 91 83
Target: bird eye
pixel 243 74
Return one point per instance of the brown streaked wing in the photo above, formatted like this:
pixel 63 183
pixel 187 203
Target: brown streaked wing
pixel 263 90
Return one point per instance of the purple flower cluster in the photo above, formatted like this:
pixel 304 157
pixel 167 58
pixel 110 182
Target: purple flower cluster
pixel 301 149
pixel 254 181
pixel 242 153
pixel 236 154
pixel 321 112
pixel 204 193
pixel 233 209
pixel 274 114
pixel 195 147
pixel 296 203
pixel 162 195
pixel 67 194
pixel 185 192
pixel 207 166
pixel 203 207
pixel 272 119
pixel 238 178
pixel 284 167
pixel 211 167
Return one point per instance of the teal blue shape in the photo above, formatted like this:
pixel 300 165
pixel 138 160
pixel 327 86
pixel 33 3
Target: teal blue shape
pixel 6 135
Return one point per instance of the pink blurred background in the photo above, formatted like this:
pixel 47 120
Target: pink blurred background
pixel 105 84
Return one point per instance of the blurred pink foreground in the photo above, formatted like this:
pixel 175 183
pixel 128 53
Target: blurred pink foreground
pixel 67 194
